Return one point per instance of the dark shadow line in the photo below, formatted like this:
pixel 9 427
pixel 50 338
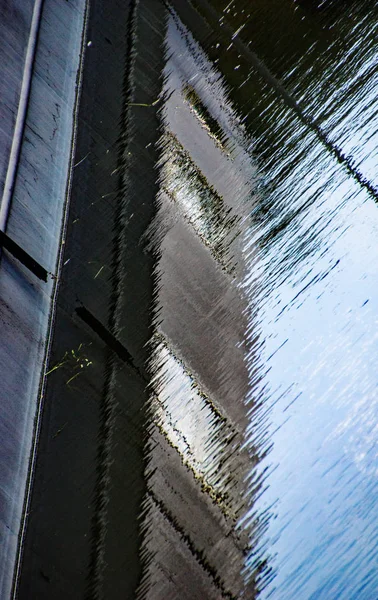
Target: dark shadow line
pixel 107 337
pixel 23 257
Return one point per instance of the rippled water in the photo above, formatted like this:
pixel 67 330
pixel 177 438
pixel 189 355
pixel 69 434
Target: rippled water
pixel 314 291
pixel 264 354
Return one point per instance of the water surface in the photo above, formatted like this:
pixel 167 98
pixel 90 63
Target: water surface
pixel 298 81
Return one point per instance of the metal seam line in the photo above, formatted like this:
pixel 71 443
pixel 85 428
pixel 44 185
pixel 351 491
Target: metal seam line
pixel 21 116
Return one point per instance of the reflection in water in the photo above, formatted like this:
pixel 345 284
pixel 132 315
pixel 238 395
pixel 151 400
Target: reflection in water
pixel 201 205
pixel 263 360
pixel 194 426
pixel 196 493
pixel 311 283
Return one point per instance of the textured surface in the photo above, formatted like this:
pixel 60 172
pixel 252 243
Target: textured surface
pixel 35 223
pixel 209 415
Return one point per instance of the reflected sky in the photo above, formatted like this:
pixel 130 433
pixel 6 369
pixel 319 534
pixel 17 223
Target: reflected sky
pixel 312 290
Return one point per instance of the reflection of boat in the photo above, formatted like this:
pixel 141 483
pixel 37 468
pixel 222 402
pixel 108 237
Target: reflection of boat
pixel 197 464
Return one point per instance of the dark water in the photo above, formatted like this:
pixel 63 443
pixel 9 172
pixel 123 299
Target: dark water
pixel 268 160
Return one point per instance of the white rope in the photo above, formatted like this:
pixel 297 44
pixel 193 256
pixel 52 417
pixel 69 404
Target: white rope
pixel 21 116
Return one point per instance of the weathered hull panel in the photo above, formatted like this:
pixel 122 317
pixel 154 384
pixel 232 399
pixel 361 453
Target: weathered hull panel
pixel 35 223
